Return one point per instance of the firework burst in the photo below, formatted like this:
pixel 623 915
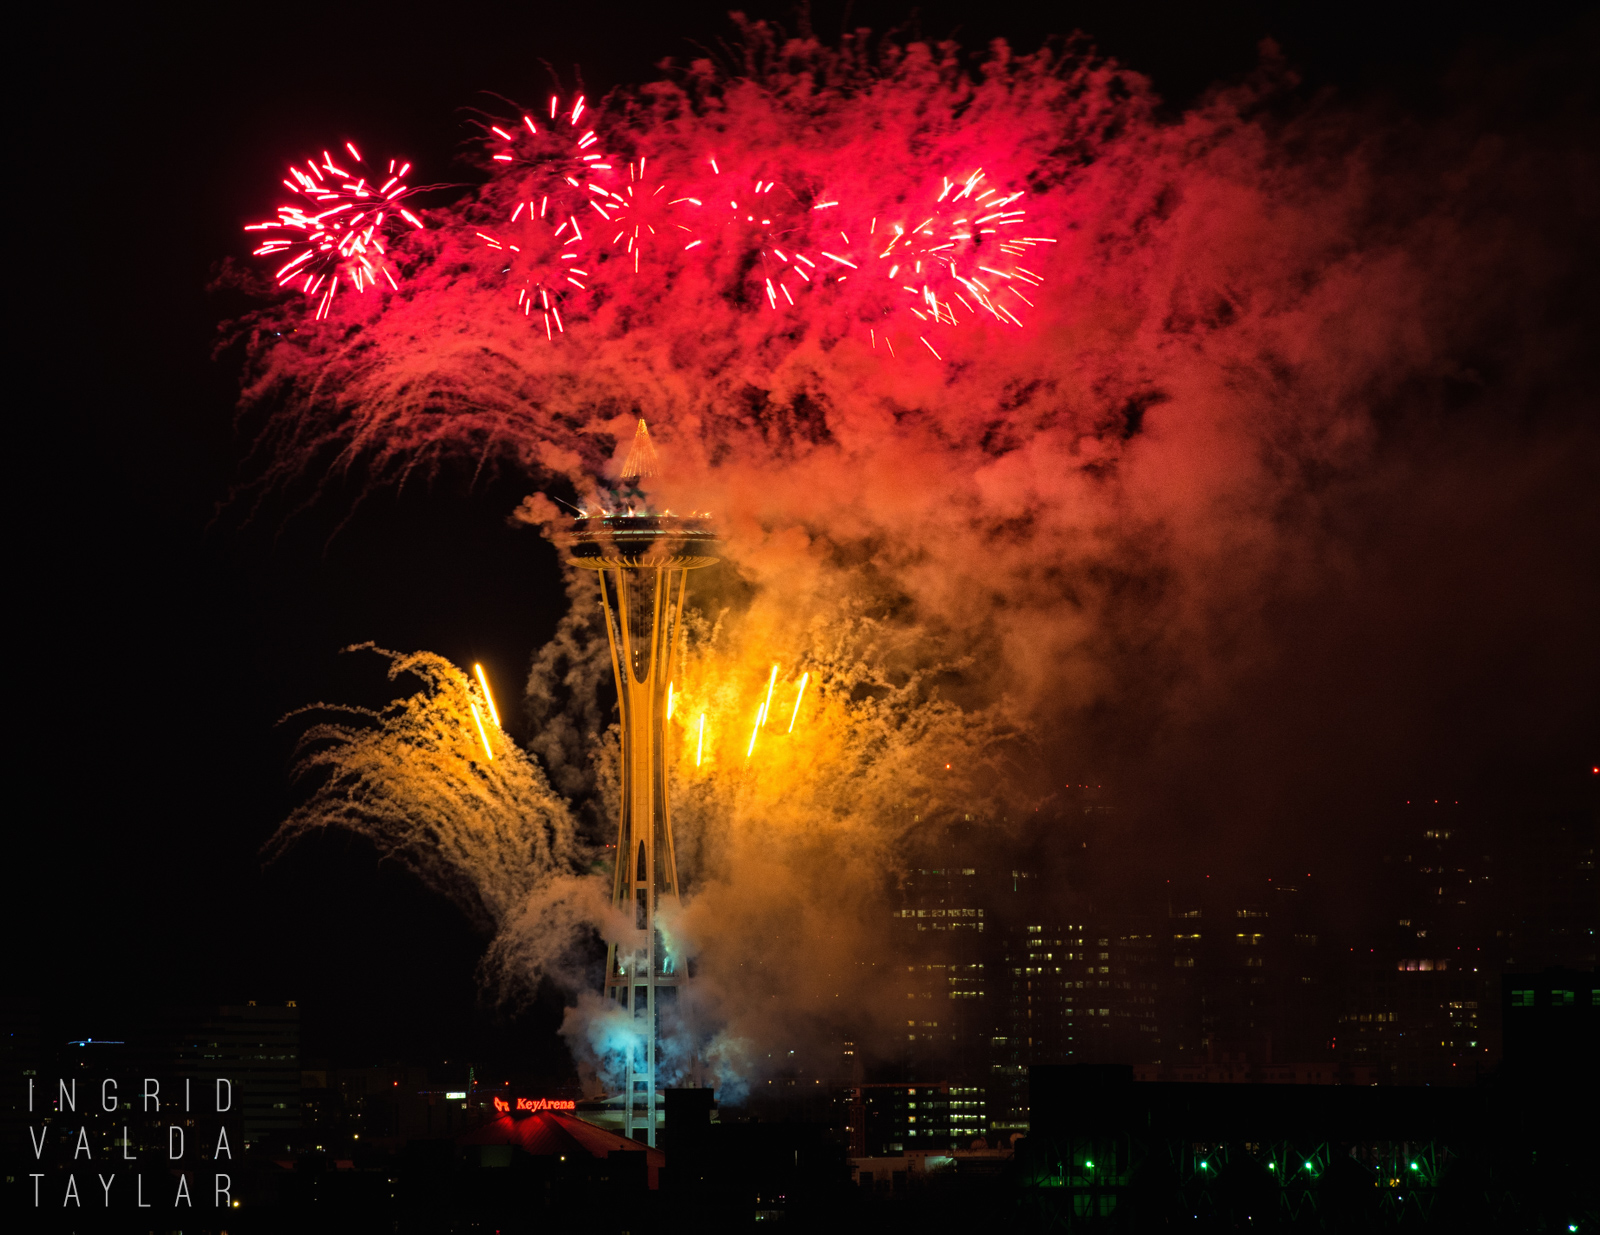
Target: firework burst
pixel 965 252
pixel 550 160
pixel 642 214
pixel 767 228
pixel 339 236
pixel 544 260
pixel 958 253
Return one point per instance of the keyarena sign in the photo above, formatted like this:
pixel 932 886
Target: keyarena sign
pixel 534 1104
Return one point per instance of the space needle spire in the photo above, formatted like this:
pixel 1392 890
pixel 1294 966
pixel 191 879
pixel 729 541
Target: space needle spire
pixel 642 461
pixel 643 562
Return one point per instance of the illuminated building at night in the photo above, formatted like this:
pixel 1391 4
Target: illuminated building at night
pixel 995 982
pixel 257 1047
pixel 643 563
pixel 1245 983
pixel 944 963
pixel 1071 992
pixel 886 1119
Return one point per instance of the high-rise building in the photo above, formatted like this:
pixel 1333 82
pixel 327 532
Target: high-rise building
pixel 1072 992
pixel 1039 1008
pixel 255 1049
pixel 1416 1021
pixel 643 563
pixel 1246 977
pixel 897 1118
pixel 1418 1003
pixel 944 965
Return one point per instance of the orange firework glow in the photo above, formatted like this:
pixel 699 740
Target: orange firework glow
pixel 727 689
pixel 494 712
pixel 864 760
pixel 482 732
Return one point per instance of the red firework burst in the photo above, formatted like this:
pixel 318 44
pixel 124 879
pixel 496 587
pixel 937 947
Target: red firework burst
pixel 544 260
pixel 644 213
pixel 549 161
pixel 957 255
pixel 766 223
pixel 341 236
pixel 965 252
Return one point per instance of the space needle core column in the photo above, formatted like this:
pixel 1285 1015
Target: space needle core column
pixel 643 562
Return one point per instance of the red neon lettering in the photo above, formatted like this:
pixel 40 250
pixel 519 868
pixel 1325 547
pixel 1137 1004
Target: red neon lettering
pixel 542 1104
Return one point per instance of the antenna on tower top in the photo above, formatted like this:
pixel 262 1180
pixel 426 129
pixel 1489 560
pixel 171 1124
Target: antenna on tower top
pixel 641 461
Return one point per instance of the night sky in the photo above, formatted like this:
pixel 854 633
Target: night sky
pixel 166 628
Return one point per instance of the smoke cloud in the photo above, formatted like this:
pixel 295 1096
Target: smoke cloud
pixel 1279 497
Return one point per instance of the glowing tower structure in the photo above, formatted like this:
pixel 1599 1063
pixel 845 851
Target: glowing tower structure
pixel 643 562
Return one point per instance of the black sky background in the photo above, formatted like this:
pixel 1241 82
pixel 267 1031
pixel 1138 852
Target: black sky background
pixel 158 641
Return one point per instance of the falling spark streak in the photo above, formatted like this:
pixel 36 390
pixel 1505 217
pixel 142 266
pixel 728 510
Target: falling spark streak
pixel 669 700
pixel 482 733
pixel 700 743
pixel 494 712
pixel 754 729
pixel 772 681
pixel 801 695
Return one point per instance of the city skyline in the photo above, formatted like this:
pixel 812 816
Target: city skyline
pixel 1432 644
